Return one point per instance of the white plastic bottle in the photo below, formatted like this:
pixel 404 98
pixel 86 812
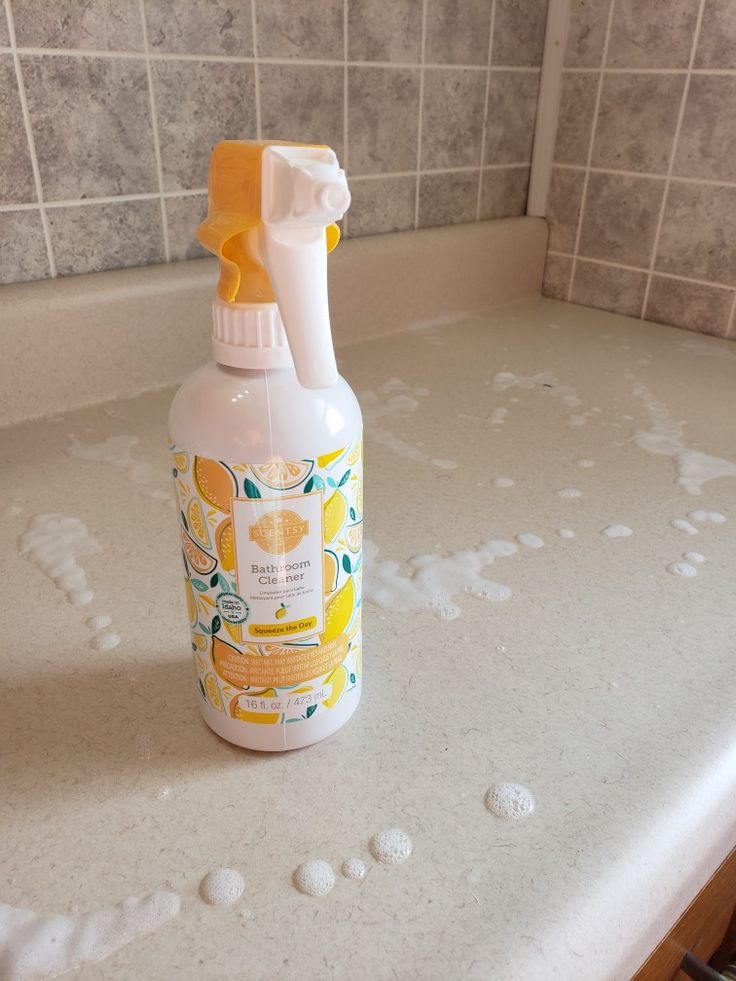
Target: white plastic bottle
pixel 268 461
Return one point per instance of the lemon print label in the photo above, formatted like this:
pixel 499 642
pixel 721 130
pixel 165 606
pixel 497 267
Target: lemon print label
pixel 273 556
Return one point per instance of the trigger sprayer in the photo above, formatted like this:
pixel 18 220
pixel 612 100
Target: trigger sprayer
pixel 267 456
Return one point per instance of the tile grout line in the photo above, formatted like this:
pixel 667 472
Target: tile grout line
pixel 256 79
pixel 31 142
pixel 714 284
pixel 421 112
pixel 154 127
pixel 647 175
pixel 673 153
pixel 731 322
pixel 345 158
pixel 485 111
pixel 594 123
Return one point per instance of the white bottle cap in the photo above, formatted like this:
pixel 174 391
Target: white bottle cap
pixel 249 335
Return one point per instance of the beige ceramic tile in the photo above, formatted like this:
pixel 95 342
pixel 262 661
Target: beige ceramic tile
pixel 707 144
pixel 504 192
pixel 577 105
pixel 636 123
pixel 452 123
pixel 587 33
pixel 557 272
pixel 300 29
pixel 98 24
pixel 717 40
pixel 22 247
pixel 200 26
pixel 199 103
pixel 652 33
pixel 512 109
pixel 518 32
pixel 705 309
pixel 563 208
pixel 698 237
pixel 380 31
pixel 608 288
pixel 381 204
pixel 302 103
pixel 383 110
pixel 92 128
pixel 16 174
pixel 91 237
pixel 620 218
pixel 182 217
pixel 447 199
pixel 458 32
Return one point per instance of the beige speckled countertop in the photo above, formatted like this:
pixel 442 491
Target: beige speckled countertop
pixel 605 684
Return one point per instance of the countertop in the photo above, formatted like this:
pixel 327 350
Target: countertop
pixel 604 683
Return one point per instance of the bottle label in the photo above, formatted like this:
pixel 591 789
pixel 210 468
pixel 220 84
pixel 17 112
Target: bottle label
pixel 273 563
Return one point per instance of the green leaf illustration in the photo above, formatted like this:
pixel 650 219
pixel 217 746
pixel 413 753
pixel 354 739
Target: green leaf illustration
pixel 250 489
pixel 346 564
pixel 216 624
pixel 344 478
pixel 311 710
pixel 199 585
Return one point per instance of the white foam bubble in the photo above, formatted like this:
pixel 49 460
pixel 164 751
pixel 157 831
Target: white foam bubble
pixel 498 416
pixel 510 800
pixel 394 398
pixel 54 543
pixel 314 878
pixel 683 525
pixel 664 438
pixel 99 621
pixel 566 533
pixel 617 531
pixel 106 641
pixel 353 868
pixel 503 482
pixel 682 569
pixel 44 945
pixel 570 492
pixel 714 517
pixel 529 539
pixel 693 557
pixel 585 464
pixel 222 887
pixel 433 580
pixel 391 847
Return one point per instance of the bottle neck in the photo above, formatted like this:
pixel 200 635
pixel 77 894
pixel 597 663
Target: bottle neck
pixel 249 336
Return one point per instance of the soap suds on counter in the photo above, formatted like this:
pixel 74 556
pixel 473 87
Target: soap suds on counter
pixel 664 438
pixel 510 800
pixel 222 887
pixel 693 557
pixel 434 579
pixel 576 420
pixel 617 531
pixel 498 416
pixel 682 525
pixel 35 945
pixel 504 380
pixel 116 451
pixel 570 492
pixel 314 878
pixel 714 517
pixel 353 868
pixel 566 533
pixel 682 569
pixel 54 543
pixel 99 622
pixel 106 641
pixel 395 398
pixel 12 510
pixel 529 539
pixel 585 464
pixel 503 482
pixel 391 847
pixel 703 350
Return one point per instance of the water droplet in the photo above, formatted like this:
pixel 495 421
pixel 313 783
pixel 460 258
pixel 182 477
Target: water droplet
pixel 509 800
pixel 222 887
pixel 314 878
pixel 391 847
pixel 353 868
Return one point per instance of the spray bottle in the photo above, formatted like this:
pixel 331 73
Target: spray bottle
pixel 266 443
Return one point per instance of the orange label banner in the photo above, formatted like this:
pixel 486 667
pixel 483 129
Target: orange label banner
pixel 284 666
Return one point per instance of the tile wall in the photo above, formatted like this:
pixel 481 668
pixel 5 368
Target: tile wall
pixel 642 207
pixel 109 110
